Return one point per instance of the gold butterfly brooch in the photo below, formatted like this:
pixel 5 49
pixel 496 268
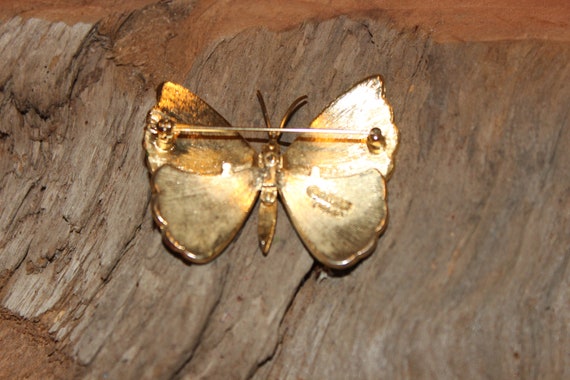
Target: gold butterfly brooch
pixel 205 176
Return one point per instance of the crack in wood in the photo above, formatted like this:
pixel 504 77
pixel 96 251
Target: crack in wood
pixel 282 331
pixel 176 374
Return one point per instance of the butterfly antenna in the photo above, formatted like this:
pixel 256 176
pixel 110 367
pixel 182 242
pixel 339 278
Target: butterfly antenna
pixel 298 103
pixel 264 109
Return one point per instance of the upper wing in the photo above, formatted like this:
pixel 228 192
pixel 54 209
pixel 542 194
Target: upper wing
pixel 362 108
pixel 197 152
pixel 199 215
pixel 338 218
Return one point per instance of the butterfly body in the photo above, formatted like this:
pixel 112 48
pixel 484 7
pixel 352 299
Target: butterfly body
pixel 270 161
pixel 205 182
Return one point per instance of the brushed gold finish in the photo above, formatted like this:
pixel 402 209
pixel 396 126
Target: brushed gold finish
pixel 197 152
pixel 201 214
pixel 362 108
pixel 331 179
pixel 337 218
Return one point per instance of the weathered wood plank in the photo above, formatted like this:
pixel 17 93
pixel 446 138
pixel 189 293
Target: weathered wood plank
pixel 469 280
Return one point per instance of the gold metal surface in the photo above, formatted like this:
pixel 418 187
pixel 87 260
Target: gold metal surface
pixel 206 177
pixel 201 214
pixel 338 218
pixel 362 108
pixel 196 153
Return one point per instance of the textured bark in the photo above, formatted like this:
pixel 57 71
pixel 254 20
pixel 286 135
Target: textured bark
pixel 471 278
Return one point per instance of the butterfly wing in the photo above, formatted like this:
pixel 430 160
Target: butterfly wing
pixel 202 153
pixel 362 108
pixel 204 184
pixel 200 215
pixel 337 218
pixel 334 187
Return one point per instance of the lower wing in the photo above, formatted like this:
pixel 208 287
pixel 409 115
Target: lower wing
pixel 340 218
pixel 199 215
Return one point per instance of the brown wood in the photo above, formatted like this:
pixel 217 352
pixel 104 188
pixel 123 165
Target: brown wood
pixel 470 280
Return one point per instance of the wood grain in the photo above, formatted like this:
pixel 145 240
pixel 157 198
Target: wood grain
pixel 469 280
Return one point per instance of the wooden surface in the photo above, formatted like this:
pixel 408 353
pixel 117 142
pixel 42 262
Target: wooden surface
pixel 470 280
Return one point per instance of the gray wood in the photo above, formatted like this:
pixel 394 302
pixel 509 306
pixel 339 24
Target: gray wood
pixel 469 280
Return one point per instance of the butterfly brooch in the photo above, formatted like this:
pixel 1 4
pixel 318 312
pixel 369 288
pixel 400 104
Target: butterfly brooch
pixel 205 176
